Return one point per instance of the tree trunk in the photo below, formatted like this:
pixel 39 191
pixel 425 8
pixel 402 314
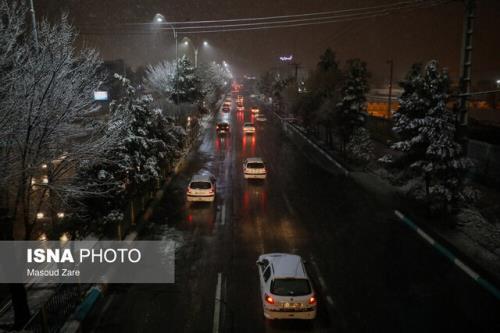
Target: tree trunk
pixel 20 305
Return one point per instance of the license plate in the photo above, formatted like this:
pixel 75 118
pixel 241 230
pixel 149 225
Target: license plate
pixel 291 305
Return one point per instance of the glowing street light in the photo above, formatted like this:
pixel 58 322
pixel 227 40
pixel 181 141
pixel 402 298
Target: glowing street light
pixel 160 19
pixel 188 41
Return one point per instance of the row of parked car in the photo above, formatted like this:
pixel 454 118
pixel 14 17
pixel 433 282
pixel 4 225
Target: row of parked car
pixel 286 290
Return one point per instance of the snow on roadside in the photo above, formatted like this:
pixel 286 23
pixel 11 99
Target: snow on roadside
pixel 474 225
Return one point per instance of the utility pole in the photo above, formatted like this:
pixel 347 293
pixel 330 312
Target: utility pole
pixel 296 67
pixel 391 64
pixel 33 22
pixel 466 63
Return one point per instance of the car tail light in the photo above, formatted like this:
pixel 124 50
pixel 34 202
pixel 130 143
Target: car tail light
pixel 269 299
pixel 312 300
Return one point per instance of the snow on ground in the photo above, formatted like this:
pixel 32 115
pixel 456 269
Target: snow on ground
pixel 475 226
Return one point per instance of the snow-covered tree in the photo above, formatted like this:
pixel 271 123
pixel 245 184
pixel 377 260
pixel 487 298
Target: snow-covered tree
pixel 160 78
pixel 360 147
pixel 215 80
pixel 177 82
pixel 149 145
pixel 46 119
pixel 351 110
pixel 426 131
pixel 50 100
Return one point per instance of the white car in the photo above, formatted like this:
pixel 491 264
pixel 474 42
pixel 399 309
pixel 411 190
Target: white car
pixel 255 109
pixel 260 118
pixel 286 290
pixel 254 168
pixel 201 188
pixel 248 128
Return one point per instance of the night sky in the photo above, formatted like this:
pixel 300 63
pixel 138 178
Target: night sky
pixel 405 37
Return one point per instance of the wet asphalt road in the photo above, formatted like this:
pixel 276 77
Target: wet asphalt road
pixel 371 273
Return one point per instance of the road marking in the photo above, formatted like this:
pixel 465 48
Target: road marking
pixel 450 256
pixel 217 304
pixel 223 219
pixel 217 215
pixel 329 299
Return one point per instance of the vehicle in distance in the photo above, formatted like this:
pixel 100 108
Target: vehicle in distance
pixel 254 168
pixel 222 128
pixel 239 99
pixel 286 290
pixel 226 107
pixel 255 109
pixel 240 108
pixel 248 128
pixel 201 188
pixel 260 118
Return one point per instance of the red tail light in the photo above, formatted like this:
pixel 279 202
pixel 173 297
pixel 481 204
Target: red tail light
pixel 312 300
pixel 268 299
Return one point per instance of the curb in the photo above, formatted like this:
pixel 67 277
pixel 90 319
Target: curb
pixel 450 256
pixel 316 146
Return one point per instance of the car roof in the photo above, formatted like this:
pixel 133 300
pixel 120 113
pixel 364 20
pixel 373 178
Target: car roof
pixel 254 160
pixel 201 178
pixel 286 265
pixel 223 123
pixel 248 124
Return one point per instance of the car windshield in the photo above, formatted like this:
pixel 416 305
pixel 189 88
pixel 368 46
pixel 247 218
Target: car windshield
pixel 248 125
pixel 255 165
pixel 290 287
pixel 223 125
pixel 200 185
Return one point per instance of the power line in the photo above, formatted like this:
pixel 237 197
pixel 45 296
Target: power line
pixel 279 24
pixel 379 7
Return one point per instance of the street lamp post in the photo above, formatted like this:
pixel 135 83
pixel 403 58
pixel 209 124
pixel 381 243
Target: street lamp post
pixel 159 18
pixel 188 41
pixel 391 63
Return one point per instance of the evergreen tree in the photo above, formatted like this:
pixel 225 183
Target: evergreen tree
pixel 149 145
pixel 351 110
pixel 360 146
pixel 178 82
pixel 189 88
pixel 426 130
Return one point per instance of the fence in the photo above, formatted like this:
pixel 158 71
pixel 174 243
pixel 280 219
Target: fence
pixel 53 313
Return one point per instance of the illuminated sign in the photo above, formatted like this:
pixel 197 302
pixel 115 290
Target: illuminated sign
pixel 100 95
pixel 286 58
